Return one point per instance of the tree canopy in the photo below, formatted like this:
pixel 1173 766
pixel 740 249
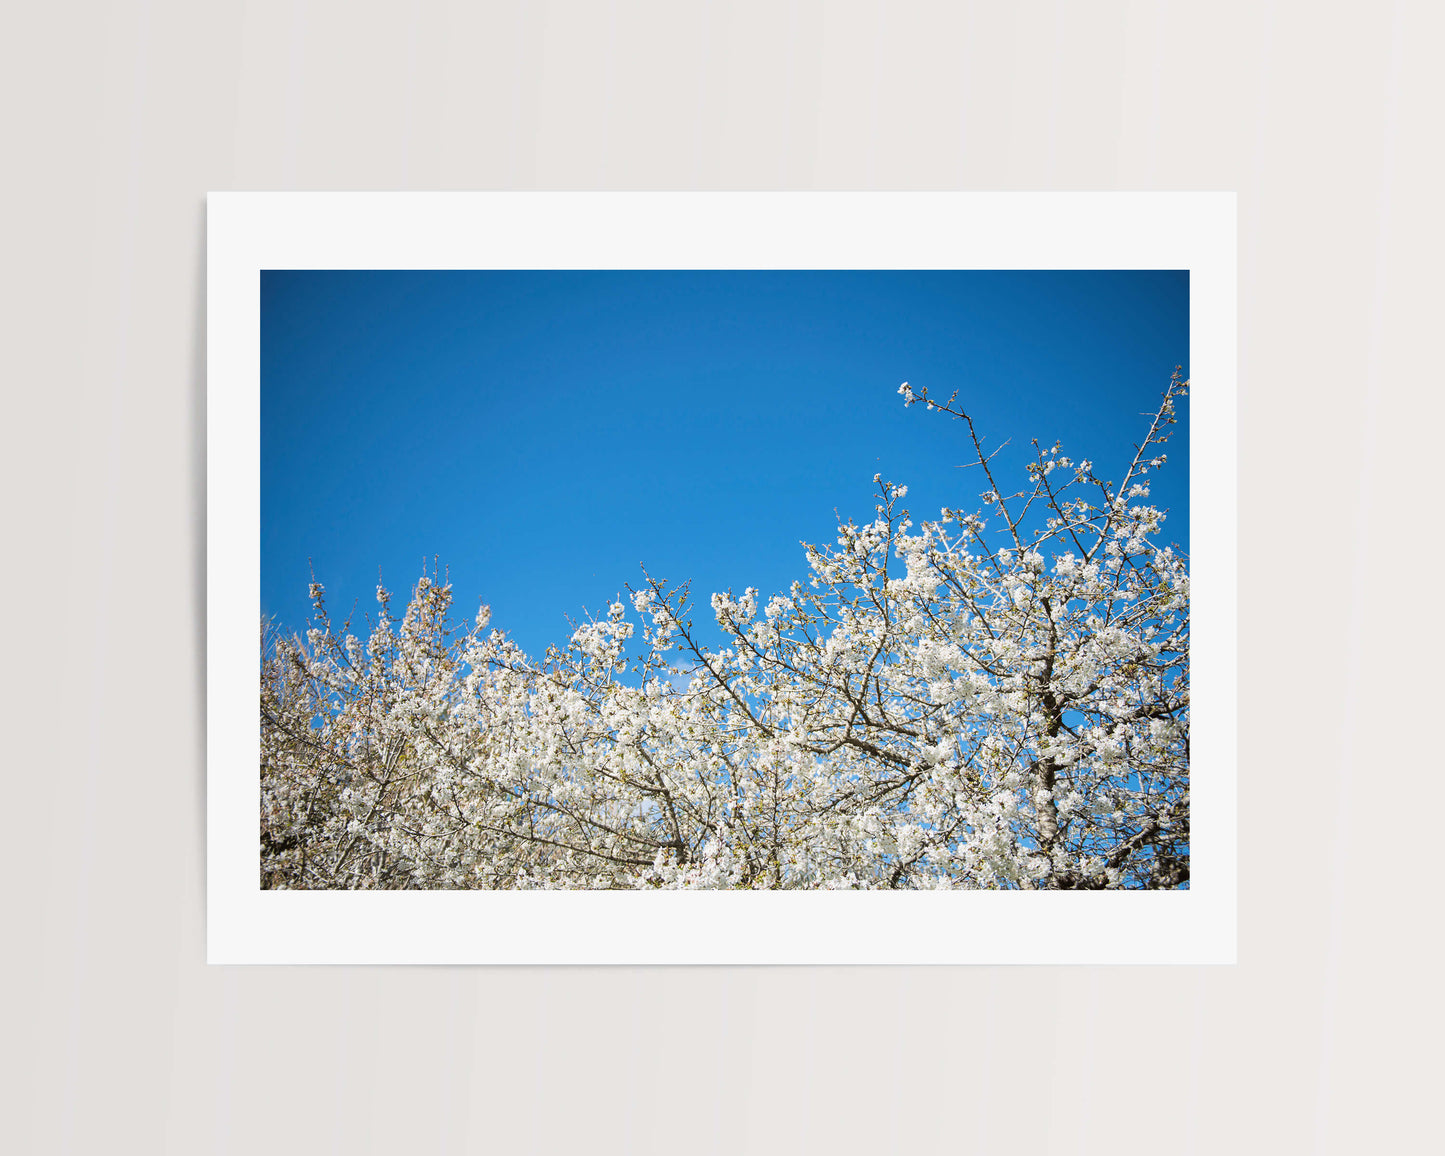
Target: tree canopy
pixel 998 698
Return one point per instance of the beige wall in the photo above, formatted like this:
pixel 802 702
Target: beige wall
pixel 1325 117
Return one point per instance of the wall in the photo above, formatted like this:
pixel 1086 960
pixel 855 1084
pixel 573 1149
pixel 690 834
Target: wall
pixel 118 118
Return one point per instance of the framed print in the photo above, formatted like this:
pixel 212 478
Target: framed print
pixel 705 578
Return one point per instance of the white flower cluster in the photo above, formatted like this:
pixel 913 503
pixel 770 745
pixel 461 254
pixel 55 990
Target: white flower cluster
pixel 1005 712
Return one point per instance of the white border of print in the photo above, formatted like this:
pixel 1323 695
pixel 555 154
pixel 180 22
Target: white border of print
pixel 248 232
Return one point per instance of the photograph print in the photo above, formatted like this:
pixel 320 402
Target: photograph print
pixel 724 579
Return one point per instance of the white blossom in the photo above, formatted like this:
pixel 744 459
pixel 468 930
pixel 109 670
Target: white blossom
pixel 1009 708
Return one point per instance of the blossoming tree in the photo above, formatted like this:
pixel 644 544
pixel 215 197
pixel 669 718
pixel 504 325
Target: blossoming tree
pixel 996 699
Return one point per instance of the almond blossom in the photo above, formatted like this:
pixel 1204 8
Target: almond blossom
pixel 998 698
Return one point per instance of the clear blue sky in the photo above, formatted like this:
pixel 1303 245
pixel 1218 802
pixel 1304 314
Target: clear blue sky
pixel 544 432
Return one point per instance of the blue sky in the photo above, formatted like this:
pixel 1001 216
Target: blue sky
pixel 542 433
